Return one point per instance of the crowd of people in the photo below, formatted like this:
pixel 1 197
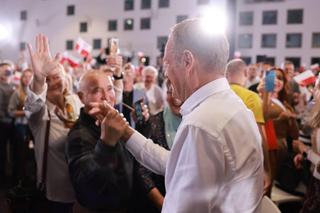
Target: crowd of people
pixel 109 137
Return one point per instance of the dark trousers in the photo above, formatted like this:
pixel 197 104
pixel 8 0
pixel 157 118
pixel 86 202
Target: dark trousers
pixel 6 137
pixel 58 207
pixel 19 151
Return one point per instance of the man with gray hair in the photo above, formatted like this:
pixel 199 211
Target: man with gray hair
pixel 215 164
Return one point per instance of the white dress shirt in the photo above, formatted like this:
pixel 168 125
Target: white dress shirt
pixel 58 184
pixel 216 162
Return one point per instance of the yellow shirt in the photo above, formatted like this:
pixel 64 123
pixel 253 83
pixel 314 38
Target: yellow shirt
pixel 251 100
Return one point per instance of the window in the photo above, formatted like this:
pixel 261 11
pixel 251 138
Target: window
pixel 181 18
pixel 161 41
pixel 246 18
pixel 128 4
pixel 69 44
pixel 293 40
pixel 112 25
pixel 145 23
pixel 315 39
pixel 268 40
pixel 295 16
pixel 245 41
pixel 22 46
pixel 23 15
pixel 83 27
pixel 315 60
pixel 70 10
pixel 145 4
pixel 128 24
pixel 163 3
pixel 269 17
pixel 265 59
pixel 203 1
pixel 295 60
pixel 246 59
pixel 97 44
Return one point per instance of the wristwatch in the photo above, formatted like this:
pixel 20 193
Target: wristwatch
pixel 118 77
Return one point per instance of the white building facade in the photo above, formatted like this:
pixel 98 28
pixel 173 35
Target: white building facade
pixel 272 30
pixel 140 25
pixel 278 30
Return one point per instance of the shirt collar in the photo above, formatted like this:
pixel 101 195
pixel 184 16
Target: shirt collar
pixel 202 93
pixel 88 121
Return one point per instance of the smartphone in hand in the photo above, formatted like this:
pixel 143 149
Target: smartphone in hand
pixel 270 80
pixel 138 110
pixel 113 45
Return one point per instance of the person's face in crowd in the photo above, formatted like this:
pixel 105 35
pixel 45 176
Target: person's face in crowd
pixel 56 82
pixel 149 79
pixel 279 81
pixel 173 70
pixel 289 69
pixel 5 73
pixel 252 71
pixel 98 88
pixel 26 78
pixel 128 75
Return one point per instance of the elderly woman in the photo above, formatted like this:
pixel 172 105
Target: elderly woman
pixel 53 111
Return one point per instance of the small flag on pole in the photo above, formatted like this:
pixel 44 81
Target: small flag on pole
pixel 83 47
pixel 305 78
pixel 70 59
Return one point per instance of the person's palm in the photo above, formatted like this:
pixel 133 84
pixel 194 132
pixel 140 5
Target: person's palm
pixel 41 57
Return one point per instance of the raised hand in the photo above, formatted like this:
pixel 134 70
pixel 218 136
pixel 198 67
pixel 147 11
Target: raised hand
pixel 41 56
pixel 42 62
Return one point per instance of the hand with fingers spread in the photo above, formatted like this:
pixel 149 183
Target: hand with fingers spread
pixel 42 62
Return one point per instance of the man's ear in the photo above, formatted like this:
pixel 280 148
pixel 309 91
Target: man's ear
pixel 187 59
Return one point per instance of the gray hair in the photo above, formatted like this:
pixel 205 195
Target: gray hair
pixel 212 51
pixel 150 69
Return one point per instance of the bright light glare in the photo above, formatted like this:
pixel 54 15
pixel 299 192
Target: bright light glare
pixel 5 32
pixel 214 20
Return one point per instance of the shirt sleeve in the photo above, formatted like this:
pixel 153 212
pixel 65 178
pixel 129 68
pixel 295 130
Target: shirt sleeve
pixel 149 154
pixel 99 173
pixel 34 103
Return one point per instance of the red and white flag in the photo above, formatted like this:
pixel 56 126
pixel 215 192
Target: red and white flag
pixel 305 78
pixel 83 47
pixel 70 59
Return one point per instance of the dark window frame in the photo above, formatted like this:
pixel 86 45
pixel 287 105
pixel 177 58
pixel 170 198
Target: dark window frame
pixel 69 44
pixel 291 16
pixel 144 21
pixel 313 44
pixel 128 5
pixel 243 21
pixel 125 25
pixel 239 41
pixel 265 45
pixel 146 4
pixel 266 19
pixel 96 43
pixel 113 25
pixel 23 15
pixel 83 27
pixel 163 3
pixel 71 10
pixel 294 34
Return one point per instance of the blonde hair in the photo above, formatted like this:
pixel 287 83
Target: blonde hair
pixel 21 89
